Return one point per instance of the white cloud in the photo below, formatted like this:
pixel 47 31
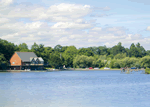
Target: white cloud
pixel 5 2
pixel 33 25
pixel 63 24
pixel 148 28
pixel 61 12
pixel 4 20
pixel 90 40
pixel 30 37
pixel 112 29
pixel 72 36
pixel 97 28
pixel 63 39
pixel 79 20
pixel 10 36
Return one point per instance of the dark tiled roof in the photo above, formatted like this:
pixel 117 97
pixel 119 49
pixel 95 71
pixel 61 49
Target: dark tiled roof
pixel 25 56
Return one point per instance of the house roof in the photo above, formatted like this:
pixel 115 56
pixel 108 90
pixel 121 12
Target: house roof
pixel 25 56
pixel 36 58
pixel 41 59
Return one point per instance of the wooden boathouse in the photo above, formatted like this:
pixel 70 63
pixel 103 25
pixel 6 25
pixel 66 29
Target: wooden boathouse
pixel 26 60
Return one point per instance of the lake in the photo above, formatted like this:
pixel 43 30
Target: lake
pixel 74 89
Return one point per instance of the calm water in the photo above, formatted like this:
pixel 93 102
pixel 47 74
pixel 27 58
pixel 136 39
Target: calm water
pixel 74 89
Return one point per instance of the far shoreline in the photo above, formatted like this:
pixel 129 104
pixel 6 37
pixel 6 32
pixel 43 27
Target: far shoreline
pixel 72 69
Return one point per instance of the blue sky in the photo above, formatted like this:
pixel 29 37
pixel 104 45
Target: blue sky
pixel 75 22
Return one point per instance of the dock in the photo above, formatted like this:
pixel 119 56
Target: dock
pixel 131 70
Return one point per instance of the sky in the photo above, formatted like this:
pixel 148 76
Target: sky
pixel 82 23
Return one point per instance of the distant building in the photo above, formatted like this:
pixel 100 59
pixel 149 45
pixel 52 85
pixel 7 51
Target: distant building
pixel 26 60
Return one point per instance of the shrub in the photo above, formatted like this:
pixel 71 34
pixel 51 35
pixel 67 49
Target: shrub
pixel 147 71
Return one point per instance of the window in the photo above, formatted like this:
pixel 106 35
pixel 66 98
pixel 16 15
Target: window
pixel 33 61
pixel 13 62
pixel 37 61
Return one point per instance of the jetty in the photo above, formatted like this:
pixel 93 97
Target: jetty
pixel 131 70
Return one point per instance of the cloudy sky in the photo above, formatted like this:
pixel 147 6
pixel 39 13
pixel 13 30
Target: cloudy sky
pixel 81 23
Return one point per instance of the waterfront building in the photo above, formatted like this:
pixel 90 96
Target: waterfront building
pixel 26 60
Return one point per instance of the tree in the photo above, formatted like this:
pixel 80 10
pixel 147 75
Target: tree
pixel 35 47
pixel 117 49
pixel 99 63
pixel 120 56
pixel 133 51
pixel 145 61
pixel 58 48
pixel 141 50
pixel 64 48
pixel 23 47
pixel 94 50
pixel 3 62
pixel 69 55
pixel 46 54
pixel 7 49
pixel 39 50
pixel 102 50
pixel 85 51
pixel 82 61
pixel 55 60
pixel 148 52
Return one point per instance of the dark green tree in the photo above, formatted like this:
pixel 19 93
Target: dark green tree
pixel 55 60
pixel 69 54
pixel 133 51
pixel 23 47
pixel 7 49
pixel 58 48
pixel 103 50
pixel 117 49
pixel 85 51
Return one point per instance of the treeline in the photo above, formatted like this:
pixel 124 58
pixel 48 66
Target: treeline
pixel 101 56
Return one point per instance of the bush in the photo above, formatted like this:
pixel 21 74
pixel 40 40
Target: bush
pixel 147 71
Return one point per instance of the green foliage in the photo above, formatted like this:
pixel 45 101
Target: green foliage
pixel 38 50
pixel 103 50
pixel 23 47
pixel 58 48
pixel 83 61
pixel 7 49
pixel 85 51
pixel 120 56
pixel 117 49
pixel 3 62
pixel 136 51
pixel 145 61
pixel 69 55
pixel 147 71
pixel 55 60
pixel 46 53
pixel 101 56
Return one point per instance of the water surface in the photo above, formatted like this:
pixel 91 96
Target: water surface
pixel 74 89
